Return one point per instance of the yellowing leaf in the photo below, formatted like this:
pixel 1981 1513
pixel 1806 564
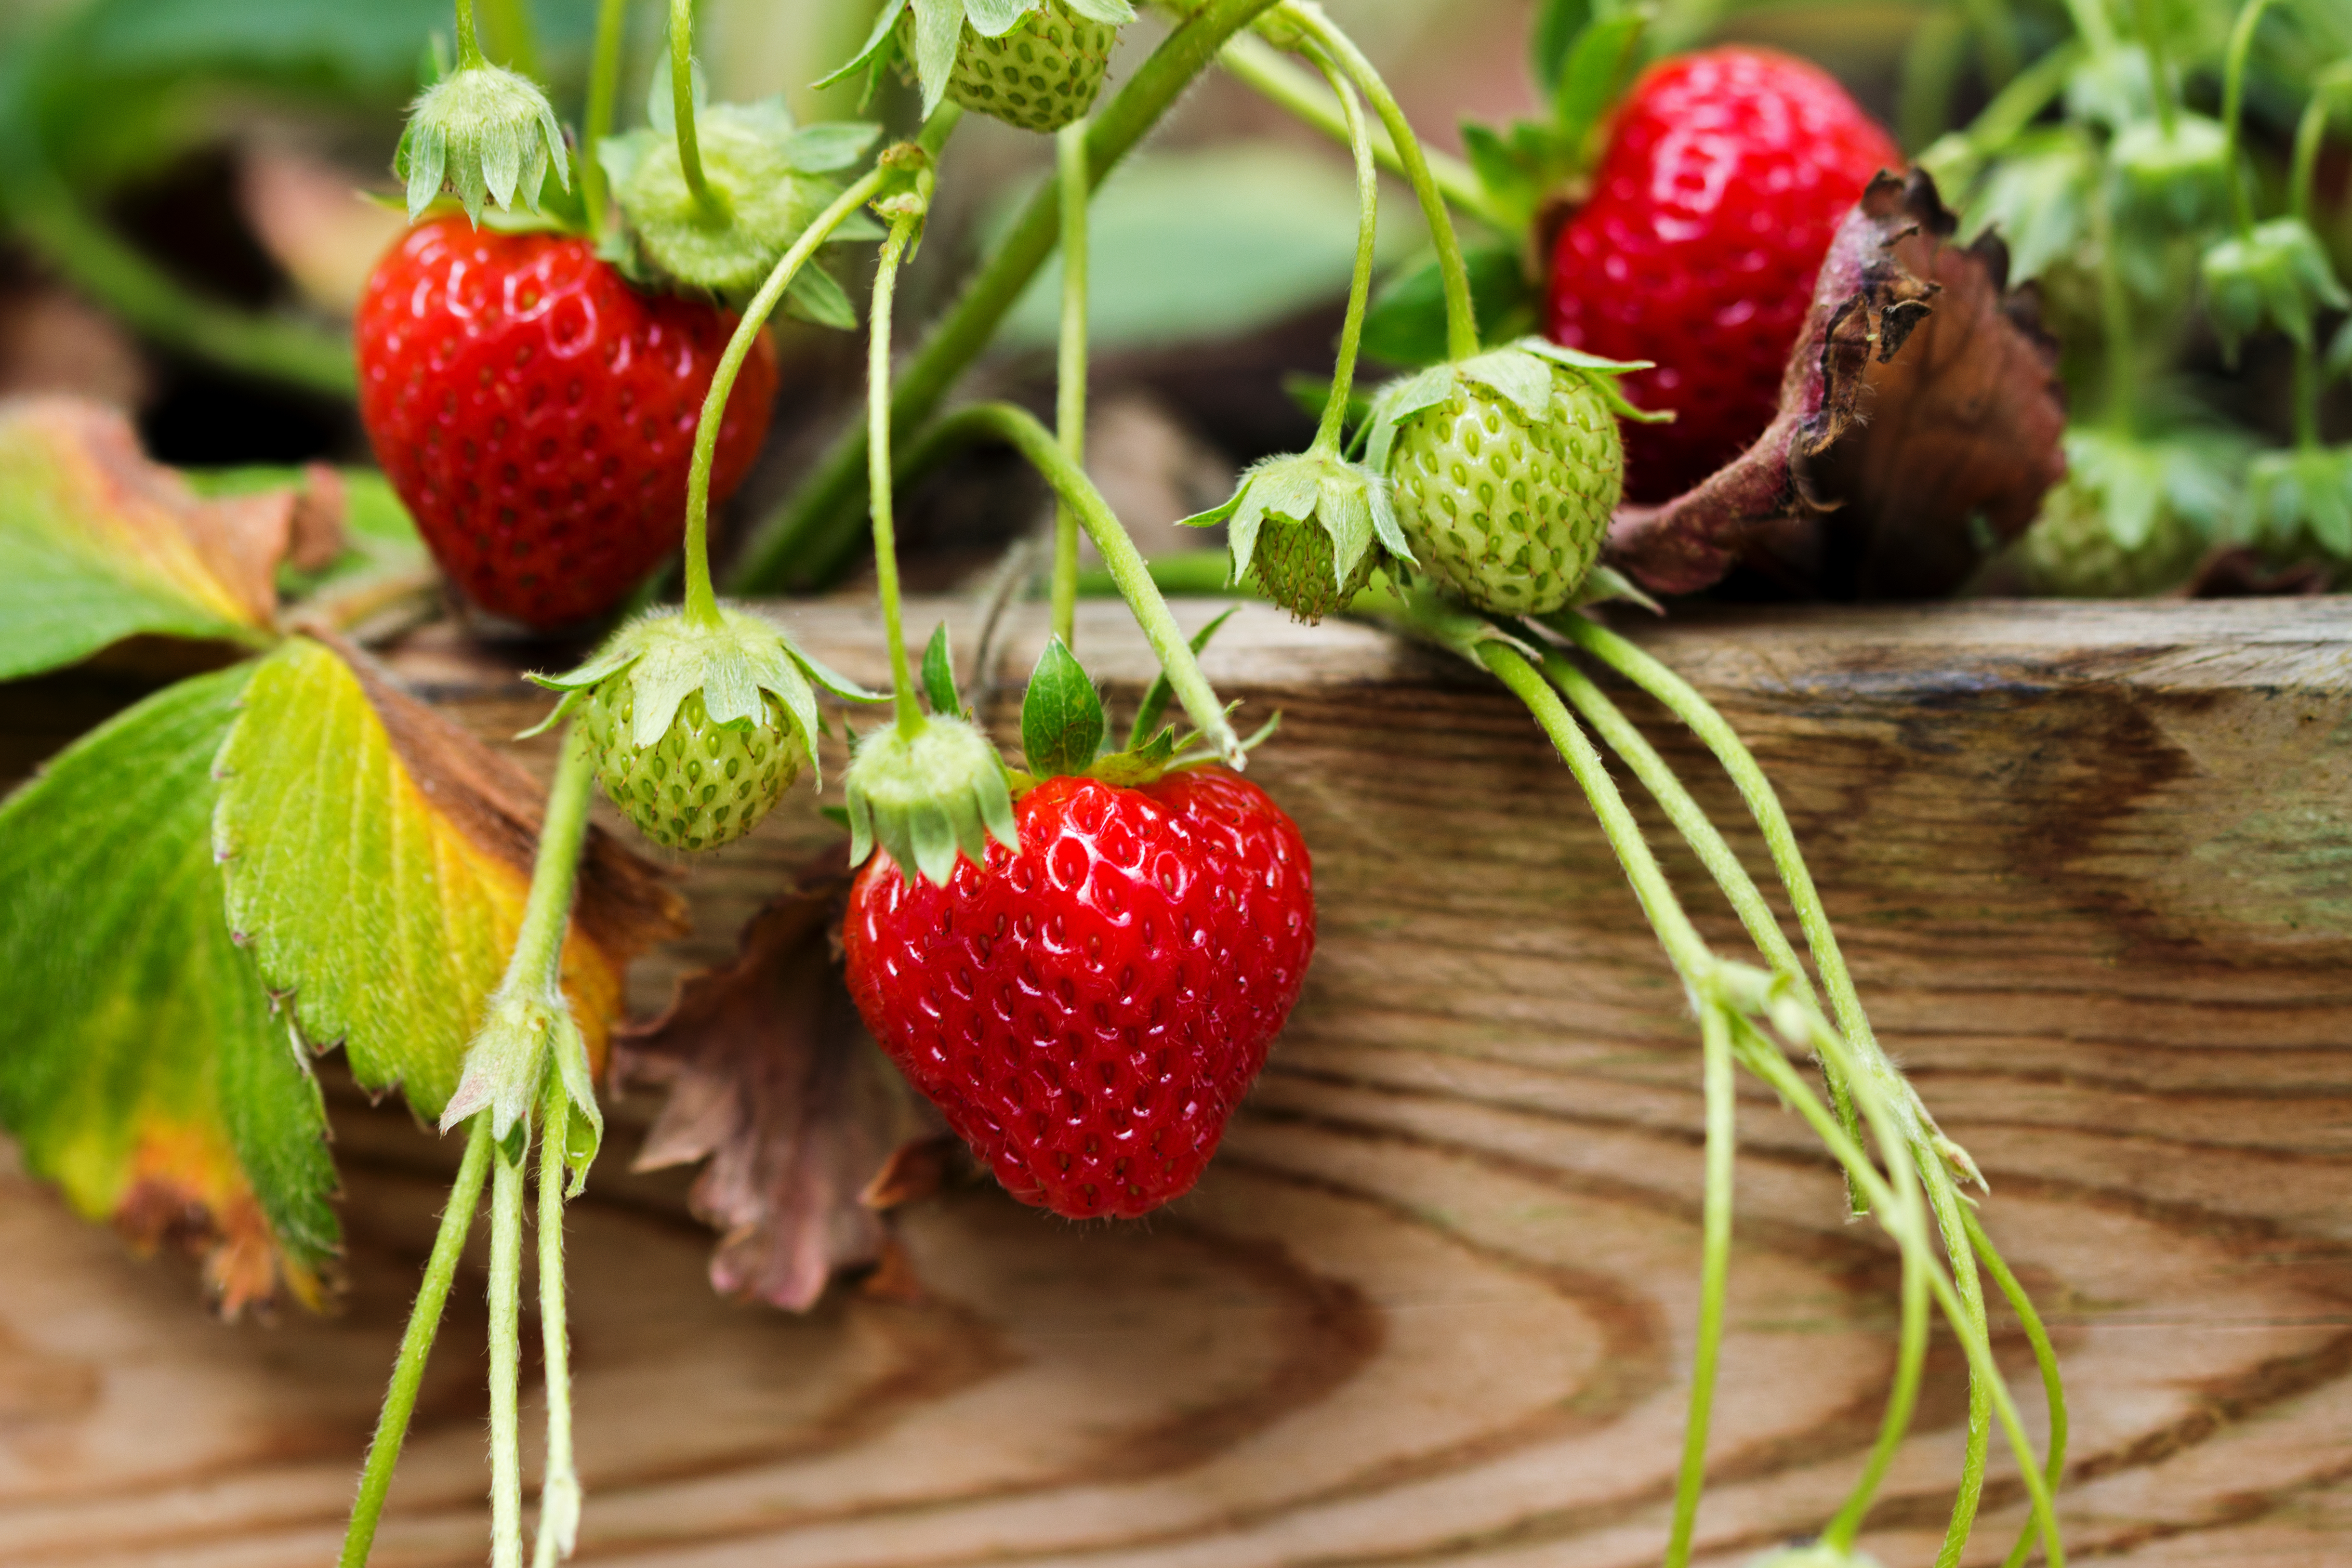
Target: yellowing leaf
pixel 142 1068
pixel 98 544
pixel 377 858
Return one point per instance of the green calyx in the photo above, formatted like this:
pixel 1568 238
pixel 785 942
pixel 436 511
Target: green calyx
pixel 2278 275
pixel 486 133
pixel 1036 64
pixel 2178 174
pixel 1505 469
pixel 2302 497
pixel 769 178
pixel 2132 517
pixel 1311 526
pixel 928 795
pixel 698 729
pixel 521 1039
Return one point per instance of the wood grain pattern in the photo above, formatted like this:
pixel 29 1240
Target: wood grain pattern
pixel 1434 1303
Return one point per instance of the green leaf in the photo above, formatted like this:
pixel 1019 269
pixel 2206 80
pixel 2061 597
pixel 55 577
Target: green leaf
pixel 1217 242
pixel 814 295
pixel 1061 717
pixel 146 1073
pixel 379 871
pixel 939 675
pixel 1603 55
pixel 98 544
pixel 1552 36
pixel 1406 324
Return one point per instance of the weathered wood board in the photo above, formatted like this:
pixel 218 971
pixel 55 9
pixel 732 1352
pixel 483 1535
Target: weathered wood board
pixel 1434 1302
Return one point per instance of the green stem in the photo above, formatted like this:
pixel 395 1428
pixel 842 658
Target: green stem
pixel 510 28
pixel 48 214
pixel 1715 1268
pixel 2045 1357
pixel 1359 286
pixel 701 603
pixel 1977 1451
pixel 538 957
pixel 2233 103
pixel 1019 429
pixel 2156 41
pixel 469 48
pixel 506 1364
pixel 2114 317
pixel 681 98
pixel 603 92
pixel 559 1489
pixel 416 1346
pixel 1070 395
pixel 1260 67
pixel 1767 1062
pixel 1902 1401
pixel 878 476
pixel 1461 322
pixel 815 534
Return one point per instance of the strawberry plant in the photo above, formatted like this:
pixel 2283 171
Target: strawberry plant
pixel 1707 323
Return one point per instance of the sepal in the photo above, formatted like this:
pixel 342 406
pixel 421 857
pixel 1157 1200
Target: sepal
pixel 1319 507
pixel 2278 276
pixel 2304 495
pixel 1521 371
pixel 507 1070
pixel 928 796
pixel 484 132
pixel 2179 176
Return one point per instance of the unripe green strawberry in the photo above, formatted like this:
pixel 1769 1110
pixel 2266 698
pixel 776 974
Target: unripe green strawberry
pixel 1044 74
pixel 702 785
pixel 1509 511
pixel 1296 565
pixel 1505 468
pixel 2133 516
pixel 698 725
pixel 1310 528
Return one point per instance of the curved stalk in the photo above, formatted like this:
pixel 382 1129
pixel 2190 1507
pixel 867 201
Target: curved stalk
pixel 416 1347
pixel 506 1363
pixel 603 91
pixel 2045 1357
pixel 558 1488
pixel 1902 1401
pixel 1967 1288
pixel 1461 322
pixel 682 100
pixel 815 535
pixel 2233 104
pixel 1019 429
pixel 1715 1269
pixel 701 603
pixel 1359 284
pixel 1070 387
pixel 1260 67
pixel 878 447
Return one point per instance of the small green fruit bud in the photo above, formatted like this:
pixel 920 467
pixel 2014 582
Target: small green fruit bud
pixel 484 132
pixel 928 796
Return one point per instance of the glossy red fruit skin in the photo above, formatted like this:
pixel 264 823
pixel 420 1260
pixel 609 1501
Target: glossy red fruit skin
pixel 1726 176
pixel 536 414
pixel 1088 1012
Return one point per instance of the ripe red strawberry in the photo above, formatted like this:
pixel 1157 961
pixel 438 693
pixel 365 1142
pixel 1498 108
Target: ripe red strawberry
pixel 536 414
pixel 1089 1012
pixel 1726 176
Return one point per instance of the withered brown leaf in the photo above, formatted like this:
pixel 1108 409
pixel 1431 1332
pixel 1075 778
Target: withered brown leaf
pixel 773 1080
pixel 1920 423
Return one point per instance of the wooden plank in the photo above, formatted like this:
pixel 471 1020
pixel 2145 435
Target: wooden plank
pixel 1434 1302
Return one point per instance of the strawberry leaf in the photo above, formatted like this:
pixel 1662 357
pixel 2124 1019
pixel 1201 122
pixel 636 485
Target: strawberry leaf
pixel 1062 716
pixel 773 1081
pixel 377 858
pixel 939 675
pixel 1406 324
pixel 98 544
pixel 1552 36
pixel 147 1073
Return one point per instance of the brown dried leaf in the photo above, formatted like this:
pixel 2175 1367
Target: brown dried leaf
pixel 1920 420
pixel 773 1080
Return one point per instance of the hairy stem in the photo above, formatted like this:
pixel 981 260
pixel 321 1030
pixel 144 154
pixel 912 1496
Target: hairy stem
pixel 1715 1269
pixel 506 1363
pixel 1902 1401
pixel 416 1346
pixel 878 448
pixel 809 541
pixel 1359 284
pixel 558 1488
pixel 1019 429
pixel 682 100
pixel 1070 389
pixel 603 91
pixel 469 47
pixel 538 955
pixel 2233 104
pixel 2045 1357
pixel 702 602
pixel 1976 1453
pixel 1259 66
pixel 1461 322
